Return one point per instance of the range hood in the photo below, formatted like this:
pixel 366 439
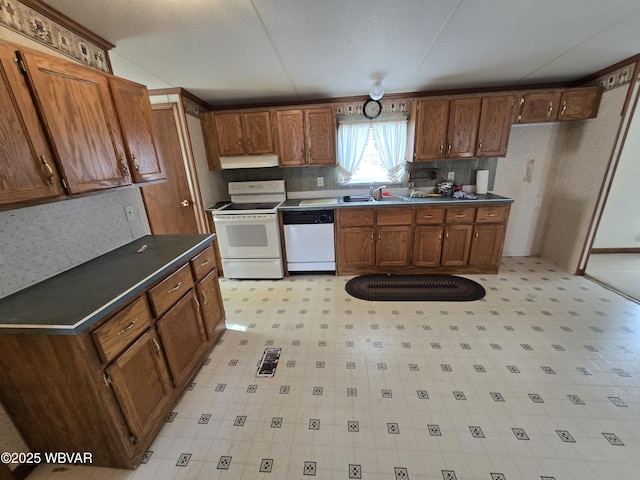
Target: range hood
pixel 249 161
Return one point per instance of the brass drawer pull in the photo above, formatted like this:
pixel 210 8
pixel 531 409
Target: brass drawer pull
pixel 197 303
pixel 124 330
pixel 460 215
pixel 491 215
pixel 204 297
pixel 428 216
pixel 155 342
pixel 175 288
pixel 136 162
pixel 205 263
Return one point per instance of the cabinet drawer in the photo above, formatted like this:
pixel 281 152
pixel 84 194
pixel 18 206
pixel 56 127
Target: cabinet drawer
pixel 394 216
pixel 357 217
pixel 203 263
pixel 460 215
pixel 493 214
pixel 169 291
pixel 429 215
pixel 122 329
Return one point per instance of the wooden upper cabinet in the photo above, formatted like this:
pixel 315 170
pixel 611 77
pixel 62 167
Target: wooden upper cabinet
pixel 27 168
pixel 134 113
pixel 495 126
pixel 244 133
pixel 431 129
pixel 320 136
pixel 291 137
pixel 579 103
pixel 229 134
pixel 79 116
pixel 464 117
pixel 536 107
pixel 307 136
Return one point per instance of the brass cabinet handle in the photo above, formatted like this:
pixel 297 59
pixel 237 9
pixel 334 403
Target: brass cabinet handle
pixel 460 215
pixel 480 145
pixel 442 146
pixel 550 108
pixel 440 236
pixel 428 216
pixel 155 342
pixel 197 302
pixel 124 330
pixel 492 215
pixel 449 148
pixel 372 237
pixel 185 203
pixel 175 288
pixel 564 107
pixel 48 168
pixel 136 162
pixel 204 297
pixel 476 234
pixel 125 168
pixel 205 263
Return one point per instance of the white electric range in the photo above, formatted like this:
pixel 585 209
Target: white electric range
pixel 248 230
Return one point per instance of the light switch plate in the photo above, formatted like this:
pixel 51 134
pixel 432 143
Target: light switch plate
pixel 451 176
pixel 131 213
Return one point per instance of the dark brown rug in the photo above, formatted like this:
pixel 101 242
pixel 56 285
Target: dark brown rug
pixel 414 288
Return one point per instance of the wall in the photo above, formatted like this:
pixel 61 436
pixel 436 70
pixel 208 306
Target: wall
pixel 525 175
pixel 620 224
pixel 577 179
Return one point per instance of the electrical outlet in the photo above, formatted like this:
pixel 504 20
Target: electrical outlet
pixel 451 176
pixel 130 212
pixel 320 181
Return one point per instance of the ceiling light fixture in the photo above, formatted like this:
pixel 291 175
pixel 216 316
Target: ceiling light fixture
pixel 377 90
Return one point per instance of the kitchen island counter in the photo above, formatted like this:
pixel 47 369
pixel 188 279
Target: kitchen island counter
pixel 74 300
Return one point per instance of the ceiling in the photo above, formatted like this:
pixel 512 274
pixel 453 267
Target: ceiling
pixel 254 51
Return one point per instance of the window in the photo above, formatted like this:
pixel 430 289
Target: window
pixel 372 152
pixel 370 169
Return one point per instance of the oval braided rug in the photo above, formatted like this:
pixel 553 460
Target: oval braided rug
pixel 417 288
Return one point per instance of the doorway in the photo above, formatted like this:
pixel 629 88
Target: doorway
pixel 170 205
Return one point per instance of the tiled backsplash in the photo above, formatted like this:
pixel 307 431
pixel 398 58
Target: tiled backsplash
pixel 303 179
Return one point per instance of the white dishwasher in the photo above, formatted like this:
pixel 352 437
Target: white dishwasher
pixel 308 238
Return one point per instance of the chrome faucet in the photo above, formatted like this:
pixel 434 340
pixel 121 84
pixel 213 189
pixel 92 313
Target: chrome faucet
pixel 377 193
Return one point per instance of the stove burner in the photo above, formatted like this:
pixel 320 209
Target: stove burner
pixel 251 206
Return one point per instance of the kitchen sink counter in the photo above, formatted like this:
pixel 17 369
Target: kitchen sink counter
pixel 317 204
pixel 72 301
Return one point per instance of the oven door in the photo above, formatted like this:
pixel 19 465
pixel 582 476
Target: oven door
pixel 248 236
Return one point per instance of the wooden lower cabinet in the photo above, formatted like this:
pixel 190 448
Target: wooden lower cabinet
pixel 427 246
pixel 108 390
pixel 183 337
pixel 141 383
pixel 455 245
pixel 211 304
pixel 486 245
pixel 356 247
pixel 394 246
pixel 437 239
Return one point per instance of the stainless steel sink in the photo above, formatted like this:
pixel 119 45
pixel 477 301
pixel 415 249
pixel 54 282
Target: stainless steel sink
pixel 357 198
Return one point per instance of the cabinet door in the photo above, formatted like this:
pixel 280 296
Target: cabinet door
pixel 140 381
pixel 258 137
pixel 539 107
pixel 212 307
pixel 495 126
pixel 183 337
pixel 356 247
pixel 320 136
pixel 578 104
pixel 27 168
pixel 80 119
pixel 394 246
pixel 462 132
pixel 486 246
pixel 431 129
pixel 134 113
pixel 229 134
pixel 456 244
pixel 291 137
pixel 427 246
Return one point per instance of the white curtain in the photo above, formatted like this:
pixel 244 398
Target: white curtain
pixel 352 138
pixel 391 139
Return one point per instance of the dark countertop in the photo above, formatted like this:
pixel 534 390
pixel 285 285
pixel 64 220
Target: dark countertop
pixel 72 301
pixel 294 204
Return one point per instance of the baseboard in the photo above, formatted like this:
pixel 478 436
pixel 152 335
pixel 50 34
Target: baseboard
pixel 616 250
